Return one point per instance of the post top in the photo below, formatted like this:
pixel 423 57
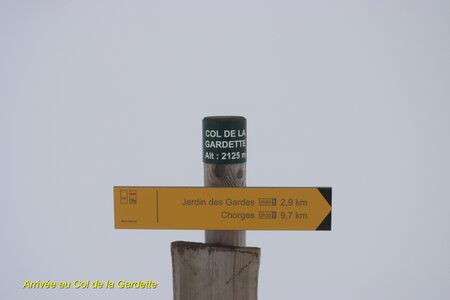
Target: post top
pixel 224 118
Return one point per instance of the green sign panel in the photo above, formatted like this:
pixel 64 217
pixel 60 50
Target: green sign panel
pixel 224 140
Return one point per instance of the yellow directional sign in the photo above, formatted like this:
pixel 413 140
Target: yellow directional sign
pixel 209 208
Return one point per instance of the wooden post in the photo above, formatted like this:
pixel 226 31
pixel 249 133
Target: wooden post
pixel 209 272
pixel 223 268
pixel 225 175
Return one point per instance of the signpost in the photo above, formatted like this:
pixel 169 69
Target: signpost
pixel 245 208
pixel 224 157
pixel 222 268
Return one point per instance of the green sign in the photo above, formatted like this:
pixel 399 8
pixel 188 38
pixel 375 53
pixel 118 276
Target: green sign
pixel 224 140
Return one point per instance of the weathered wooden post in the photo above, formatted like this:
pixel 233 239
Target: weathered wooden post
pixel 219 172
pixel 223 268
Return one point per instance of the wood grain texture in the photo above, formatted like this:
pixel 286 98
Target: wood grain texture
pixel 225 175
pixel 209 272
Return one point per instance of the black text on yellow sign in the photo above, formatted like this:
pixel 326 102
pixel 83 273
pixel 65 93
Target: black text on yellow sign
pixel 248 208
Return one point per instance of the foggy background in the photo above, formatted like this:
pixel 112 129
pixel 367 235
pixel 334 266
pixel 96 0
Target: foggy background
pixel 349 94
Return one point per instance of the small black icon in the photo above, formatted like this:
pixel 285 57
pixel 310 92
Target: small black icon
pixel 267 214
pixel 267 201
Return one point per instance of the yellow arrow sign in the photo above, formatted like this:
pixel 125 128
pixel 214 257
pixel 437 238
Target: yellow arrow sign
pixel 249 208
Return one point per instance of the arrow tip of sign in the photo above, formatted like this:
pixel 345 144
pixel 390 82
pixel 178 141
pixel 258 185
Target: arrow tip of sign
pixel 326 193
pixel 326 223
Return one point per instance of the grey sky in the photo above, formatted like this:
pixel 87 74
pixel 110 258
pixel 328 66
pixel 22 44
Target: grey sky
pixel 349 94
